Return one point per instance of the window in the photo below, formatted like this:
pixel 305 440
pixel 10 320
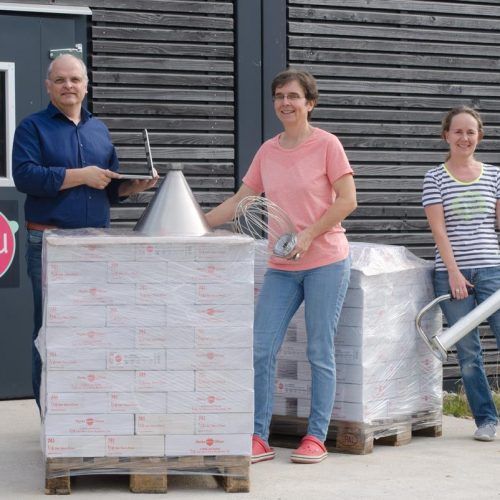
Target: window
pixel 7 122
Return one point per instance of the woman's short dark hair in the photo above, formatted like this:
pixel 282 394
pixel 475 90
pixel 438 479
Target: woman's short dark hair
pixel 303 78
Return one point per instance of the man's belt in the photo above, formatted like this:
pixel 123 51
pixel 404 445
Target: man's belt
pixel 35 226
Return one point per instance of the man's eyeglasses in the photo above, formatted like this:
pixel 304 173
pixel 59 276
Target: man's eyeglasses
pixel 74 80
pixel 291 97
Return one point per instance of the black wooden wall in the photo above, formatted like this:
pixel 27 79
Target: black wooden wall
pixel 388 71
pixel 167 66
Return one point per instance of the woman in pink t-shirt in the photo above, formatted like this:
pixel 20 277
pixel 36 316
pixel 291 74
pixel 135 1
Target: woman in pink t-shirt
pixel 305 171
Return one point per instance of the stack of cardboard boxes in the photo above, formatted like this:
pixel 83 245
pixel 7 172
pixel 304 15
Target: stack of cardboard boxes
pixel 385 372
pixel 147 345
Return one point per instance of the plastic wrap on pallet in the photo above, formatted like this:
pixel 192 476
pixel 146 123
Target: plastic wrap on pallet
pixel 385 373
pixel 146 346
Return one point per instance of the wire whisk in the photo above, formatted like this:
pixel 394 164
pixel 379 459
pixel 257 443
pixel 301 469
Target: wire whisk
pixel 261 218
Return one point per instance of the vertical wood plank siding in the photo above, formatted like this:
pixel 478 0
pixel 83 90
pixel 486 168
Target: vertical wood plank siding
pixel 388 71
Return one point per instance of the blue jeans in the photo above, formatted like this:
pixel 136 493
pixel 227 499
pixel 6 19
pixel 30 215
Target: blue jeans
pixel 34 261
pixel 486 281
pixel 323 290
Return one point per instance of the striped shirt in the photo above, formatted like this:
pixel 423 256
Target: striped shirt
pixel 469 213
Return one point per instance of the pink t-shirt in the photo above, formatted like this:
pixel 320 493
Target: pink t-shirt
pixel 300 180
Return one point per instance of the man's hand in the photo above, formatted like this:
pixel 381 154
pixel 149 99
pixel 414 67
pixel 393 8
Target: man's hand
pixel 92 176
pixel 98 178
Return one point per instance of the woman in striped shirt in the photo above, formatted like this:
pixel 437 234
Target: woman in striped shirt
pixel 461 198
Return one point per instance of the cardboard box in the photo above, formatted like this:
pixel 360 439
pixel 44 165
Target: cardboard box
pixel 235 251
pixel 206 359
pixel 164 381
pixel 228 337
pixel 166 293
pixel 223 294
pixel 223 380
pixel 210 272
pixel 162 423
pixel 293 388
pixel 166 251
pixel 165 336
pixel 139 316
pixel 135 402
pixel 209 315
pixel 135 446
pixel 136 359
pixel 88 424
pixel 73 446
pixel 93 338
pixel 100 251
pixel 76 294
pixel 77 271
pixel 210 402
pixel 225 423
pixel 136 272
pixel 77 402
pixel 89 381
pixel 216 444
pixel 79 316
pixel 285 406
pixel 76 359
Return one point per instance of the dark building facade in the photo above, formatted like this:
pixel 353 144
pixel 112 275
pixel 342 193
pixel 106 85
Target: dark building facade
pixel 197 74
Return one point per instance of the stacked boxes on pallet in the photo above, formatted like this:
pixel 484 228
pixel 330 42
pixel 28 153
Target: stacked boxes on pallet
pixel 385 372
pixel 147 345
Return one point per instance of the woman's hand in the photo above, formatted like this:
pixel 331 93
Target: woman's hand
pixel 344 204
pixel 458 285
pixel 304 240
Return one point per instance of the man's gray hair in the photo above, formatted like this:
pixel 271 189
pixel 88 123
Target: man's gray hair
pixel 80 62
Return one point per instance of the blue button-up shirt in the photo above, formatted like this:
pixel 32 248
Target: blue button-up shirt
pixel 45 145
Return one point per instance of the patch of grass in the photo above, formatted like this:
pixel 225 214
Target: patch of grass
pixel 457 406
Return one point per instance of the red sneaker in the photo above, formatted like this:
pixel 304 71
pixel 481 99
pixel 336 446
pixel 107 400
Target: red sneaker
pixel 261 450
pixel 310 451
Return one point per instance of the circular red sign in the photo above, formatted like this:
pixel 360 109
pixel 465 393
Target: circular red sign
pixel 7 243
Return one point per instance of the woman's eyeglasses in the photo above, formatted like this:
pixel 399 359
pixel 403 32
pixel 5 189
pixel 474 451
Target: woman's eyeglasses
pixel 291 97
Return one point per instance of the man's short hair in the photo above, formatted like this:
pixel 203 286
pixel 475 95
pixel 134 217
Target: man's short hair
pixel 80 62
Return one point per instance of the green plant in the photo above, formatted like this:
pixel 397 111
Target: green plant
pixel 455 404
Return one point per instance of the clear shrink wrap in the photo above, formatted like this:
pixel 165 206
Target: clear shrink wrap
pixel 146 346
pixel 385 372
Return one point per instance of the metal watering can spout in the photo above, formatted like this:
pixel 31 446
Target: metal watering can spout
pixel 440 344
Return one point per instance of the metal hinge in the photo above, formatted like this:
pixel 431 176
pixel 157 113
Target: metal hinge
pixel 77 51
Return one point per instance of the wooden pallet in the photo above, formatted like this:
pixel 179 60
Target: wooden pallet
pixel 149 474
pixel 355 437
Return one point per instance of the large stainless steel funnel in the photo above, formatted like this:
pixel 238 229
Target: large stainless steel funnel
pixel 173 211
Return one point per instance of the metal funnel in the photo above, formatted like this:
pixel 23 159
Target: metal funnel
pixel 173 211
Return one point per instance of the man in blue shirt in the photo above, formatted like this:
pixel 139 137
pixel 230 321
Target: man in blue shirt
pixel 64 161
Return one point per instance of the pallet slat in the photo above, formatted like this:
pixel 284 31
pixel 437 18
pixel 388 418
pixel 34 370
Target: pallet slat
pixel 149 474
pixel 356 437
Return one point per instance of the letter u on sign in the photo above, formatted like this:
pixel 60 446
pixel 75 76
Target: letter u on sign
pixel 8 230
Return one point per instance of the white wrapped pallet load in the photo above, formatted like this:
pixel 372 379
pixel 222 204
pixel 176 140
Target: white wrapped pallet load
pixel 385 373
pixel 146 346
